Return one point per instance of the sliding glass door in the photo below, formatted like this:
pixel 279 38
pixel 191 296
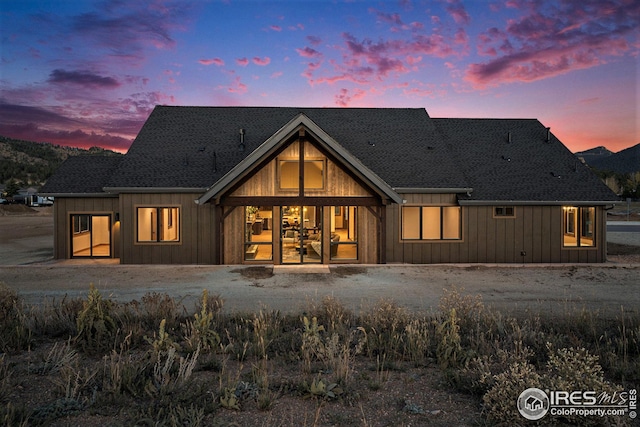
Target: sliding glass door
pixel 90 235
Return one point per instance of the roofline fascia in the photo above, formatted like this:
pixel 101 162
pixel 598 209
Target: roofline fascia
pixel 77 195
pixel 273 143
pixel 536 202
pixel 416 190
pixel 153 190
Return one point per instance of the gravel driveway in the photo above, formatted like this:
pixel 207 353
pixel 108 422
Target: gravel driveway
pixel 511 288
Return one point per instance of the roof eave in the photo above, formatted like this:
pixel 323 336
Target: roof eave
pixel 537 202
pixel 69 195
pixel 153 190
pixel 443 190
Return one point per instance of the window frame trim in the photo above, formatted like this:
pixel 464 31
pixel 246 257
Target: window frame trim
pixel 441 240
pixel 577 227
pixel 137 240
pixel 496 216
pixel 280 159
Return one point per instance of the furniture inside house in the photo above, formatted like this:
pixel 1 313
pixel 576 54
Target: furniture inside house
pixel 314 244
pixel 290 238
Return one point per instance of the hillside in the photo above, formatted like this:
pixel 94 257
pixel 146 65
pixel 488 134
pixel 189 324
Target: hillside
pixel 31 163
pixel 625 161
pixel 593 154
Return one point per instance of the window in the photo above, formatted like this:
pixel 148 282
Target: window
pixel 431 223
pixel 91 235
pixel 290 174
pixel 578 226
pixel 504 212
pixel 158 224
pixel 258 241
pixel 80 224
pixel 344 233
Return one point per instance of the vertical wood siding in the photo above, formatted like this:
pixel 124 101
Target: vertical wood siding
pixel 65 206
pixel 265 183
pixel 198 231
pixel 533 236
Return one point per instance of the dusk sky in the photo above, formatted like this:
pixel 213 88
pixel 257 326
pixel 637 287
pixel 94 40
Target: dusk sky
pixel 88 73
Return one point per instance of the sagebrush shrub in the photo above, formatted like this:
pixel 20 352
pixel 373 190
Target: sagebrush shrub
pixel 385 325
pixel 96 326
pixel 500 402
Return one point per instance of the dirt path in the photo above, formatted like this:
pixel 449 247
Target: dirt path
pixel 510 289
pixel 516 288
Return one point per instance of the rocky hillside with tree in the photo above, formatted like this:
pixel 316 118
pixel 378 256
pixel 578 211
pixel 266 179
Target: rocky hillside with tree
pixel 620 171
pixel 29 163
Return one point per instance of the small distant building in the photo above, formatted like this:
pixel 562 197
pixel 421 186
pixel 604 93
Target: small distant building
pixel 251 185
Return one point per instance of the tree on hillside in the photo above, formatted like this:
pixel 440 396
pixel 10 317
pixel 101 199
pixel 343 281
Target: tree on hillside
pixel 12 188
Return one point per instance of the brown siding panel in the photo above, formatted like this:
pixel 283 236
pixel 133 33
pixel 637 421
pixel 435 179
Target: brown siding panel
pixel 537 230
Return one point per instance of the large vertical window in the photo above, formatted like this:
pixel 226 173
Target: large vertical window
pixel 289 172
pixel 578 226
pixel 158 224
pixel 344 233
pixel 431 223
pixel 258 240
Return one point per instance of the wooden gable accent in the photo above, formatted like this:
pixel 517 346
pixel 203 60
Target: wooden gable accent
pixel 341 187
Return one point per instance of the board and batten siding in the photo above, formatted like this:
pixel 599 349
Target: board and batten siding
pixel 64 207
pixel 198 231
pixel 264 181
pixel 534 235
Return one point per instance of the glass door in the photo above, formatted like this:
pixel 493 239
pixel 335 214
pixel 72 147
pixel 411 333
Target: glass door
pixel 91 235
pixel 301 241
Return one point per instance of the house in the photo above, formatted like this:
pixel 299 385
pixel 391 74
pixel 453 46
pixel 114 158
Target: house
pixel 251 185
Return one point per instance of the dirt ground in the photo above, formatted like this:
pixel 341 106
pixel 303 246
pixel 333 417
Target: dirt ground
pixel 26 240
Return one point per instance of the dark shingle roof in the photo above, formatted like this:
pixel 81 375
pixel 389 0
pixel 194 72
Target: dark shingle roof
pixel 194 147
pixel 176 146
pixel 82 175
pixel 529 168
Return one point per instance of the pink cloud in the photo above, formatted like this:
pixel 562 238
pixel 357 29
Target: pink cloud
pixel 344 99
pixel 308 52
pixel 277 74
pixel 390 18
pixel 412 60
pixel 458 12
pixel 236 86
pixel 314 40
pixel 213 61
pixel 421 93
pixel 461 37
pixel 261 61
pixel 546 42
pixel 277 28
pixel 243 62
pixel 364 61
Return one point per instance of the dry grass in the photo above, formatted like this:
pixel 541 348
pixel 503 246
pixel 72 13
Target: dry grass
pixel 328 366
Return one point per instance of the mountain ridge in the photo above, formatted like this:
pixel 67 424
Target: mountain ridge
pixel 31 163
